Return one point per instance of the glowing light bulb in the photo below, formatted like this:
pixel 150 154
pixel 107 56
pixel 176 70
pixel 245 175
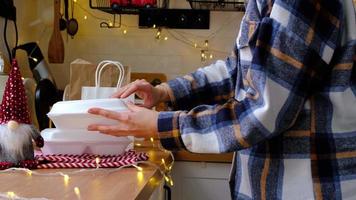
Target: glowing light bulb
pixel 85 17
pixel 171 182
pixel 32 58
pixel 154 25
pixel 75 1
pixel 166 38
pixel 97 161
pixel 195 45
pixel 211 56
pixel 125 31
pixel 11 194
pixel 140 176
pixel 138 144
pixel 206 43
pixel 138 168
pixel 163 161
pixel 66 179
pixel 166 178
pixel 77 191
pixel 151 138
pixel 110 24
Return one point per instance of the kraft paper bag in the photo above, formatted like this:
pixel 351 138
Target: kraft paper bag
pixel 99 91
pixel 82 73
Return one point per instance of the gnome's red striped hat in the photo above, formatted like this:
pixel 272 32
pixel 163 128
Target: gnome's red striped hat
pixel 14 101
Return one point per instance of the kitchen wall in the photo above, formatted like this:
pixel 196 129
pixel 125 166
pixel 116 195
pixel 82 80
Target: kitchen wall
pixel 137 48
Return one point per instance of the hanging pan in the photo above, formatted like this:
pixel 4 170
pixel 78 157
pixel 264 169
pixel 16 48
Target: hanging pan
pixel 72 24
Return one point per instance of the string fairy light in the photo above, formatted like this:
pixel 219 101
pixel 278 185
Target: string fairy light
pixel 77 192
pixel 97 161
pixel 11 195
pixel 164 171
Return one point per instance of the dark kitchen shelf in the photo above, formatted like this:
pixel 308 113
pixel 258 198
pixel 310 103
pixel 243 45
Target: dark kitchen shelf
pixel 218 5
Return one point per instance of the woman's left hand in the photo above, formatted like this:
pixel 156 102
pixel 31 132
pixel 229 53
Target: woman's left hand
pixel 137 121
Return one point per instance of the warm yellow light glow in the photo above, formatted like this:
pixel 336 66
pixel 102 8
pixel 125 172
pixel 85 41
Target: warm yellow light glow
pixel 203 55
pixel 206 43
pixel 151 138
pixel 211 56
pixel 163 161
pixel 138 168
pixel 138 144
pixel 77 191
pixel 154 25
pixel 97 161
pixel 195 45
pixel 166 38
pixel 110 23
pixel 125 31
pixel 166 178
pixel 85 17
pixel 11 195
pixel 171 182
pixel 29 172
pixel 34 59
pixel 75 1
pixel 66 179
pixel 140 176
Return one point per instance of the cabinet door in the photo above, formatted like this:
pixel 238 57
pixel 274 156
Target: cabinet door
pixel 200 180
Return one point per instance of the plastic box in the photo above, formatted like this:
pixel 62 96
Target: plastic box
pixel 78 142
pixel 74 114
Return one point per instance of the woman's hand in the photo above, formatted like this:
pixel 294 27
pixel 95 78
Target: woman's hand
pixel 137 121
pixel 151 95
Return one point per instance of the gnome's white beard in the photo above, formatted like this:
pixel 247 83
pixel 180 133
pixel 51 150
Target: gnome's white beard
pixel 12 141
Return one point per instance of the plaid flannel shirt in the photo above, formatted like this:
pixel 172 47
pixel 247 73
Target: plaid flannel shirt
pixel 286 103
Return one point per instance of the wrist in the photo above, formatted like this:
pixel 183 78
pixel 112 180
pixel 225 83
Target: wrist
pixel 163 93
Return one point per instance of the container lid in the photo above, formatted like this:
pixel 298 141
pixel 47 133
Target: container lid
pixel 82 106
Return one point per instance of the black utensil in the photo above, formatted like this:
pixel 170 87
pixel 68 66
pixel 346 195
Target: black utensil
pixel 72 24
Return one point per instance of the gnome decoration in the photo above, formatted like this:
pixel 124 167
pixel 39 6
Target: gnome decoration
pixel 16 130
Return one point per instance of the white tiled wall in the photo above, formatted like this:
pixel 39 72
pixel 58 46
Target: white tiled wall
pixel 138 48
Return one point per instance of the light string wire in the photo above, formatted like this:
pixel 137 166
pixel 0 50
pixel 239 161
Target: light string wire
pixel 182 35
pixel 166 173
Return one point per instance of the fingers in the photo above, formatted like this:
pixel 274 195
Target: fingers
pixel 130 89
pixel 120 116
pixel 133 107
pixel 109 130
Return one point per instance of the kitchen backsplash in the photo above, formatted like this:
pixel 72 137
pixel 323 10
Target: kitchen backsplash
pixel 137 48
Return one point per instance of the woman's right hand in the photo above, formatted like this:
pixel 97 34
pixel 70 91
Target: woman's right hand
pixel 151 95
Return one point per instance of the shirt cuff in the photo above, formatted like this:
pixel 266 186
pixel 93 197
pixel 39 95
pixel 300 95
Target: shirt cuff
pixel 168 131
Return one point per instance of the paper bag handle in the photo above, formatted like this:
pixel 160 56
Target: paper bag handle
pixel 104 64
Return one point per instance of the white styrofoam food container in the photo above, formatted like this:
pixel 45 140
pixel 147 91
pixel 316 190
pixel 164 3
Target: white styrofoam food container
pixel 78 142
pixel 74 114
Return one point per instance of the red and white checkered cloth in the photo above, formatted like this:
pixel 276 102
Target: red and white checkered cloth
pixel 89 160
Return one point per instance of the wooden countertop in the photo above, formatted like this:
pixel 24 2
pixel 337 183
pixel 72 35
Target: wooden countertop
pixel 127 183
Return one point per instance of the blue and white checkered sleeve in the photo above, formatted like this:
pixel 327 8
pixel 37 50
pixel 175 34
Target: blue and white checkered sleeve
pixel 208 85
pixel 288 63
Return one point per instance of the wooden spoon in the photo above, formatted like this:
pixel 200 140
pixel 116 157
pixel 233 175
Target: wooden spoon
pixel 56 46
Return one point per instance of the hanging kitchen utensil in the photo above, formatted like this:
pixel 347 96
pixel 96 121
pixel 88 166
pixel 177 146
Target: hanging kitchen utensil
pixel 62 24
pixel 56 45
pixel 72 24
pixel 63 21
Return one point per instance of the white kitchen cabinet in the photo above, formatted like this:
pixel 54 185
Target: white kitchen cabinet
pixel 200 180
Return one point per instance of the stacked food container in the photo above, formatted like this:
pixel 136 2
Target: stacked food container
pixel 71 136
